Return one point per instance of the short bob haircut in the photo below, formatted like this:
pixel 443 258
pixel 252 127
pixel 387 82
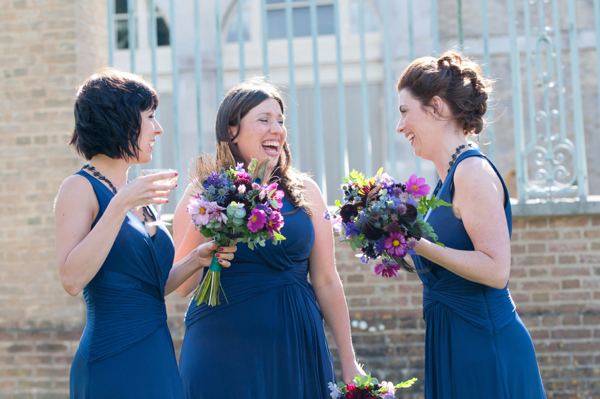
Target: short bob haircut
pixel 108 118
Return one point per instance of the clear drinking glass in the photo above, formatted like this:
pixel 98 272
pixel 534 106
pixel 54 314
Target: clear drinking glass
pixel 171 180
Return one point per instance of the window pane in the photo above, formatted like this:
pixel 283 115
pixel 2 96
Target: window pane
pixel 122 34
pixel 301 21
pixel 121 7
pixel 232 26
pixel 276 24
pixel 162 32
pixel 325 20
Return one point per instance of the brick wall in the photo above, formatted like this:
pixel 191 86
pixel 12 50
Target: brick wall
pixel 47 48
pixel 555 282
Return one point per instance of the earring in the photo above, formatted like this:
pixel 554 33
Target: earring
pixel 435 120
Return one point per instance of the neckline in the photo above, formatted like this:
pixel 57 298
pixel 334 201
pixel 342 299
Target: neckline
pixel 131 210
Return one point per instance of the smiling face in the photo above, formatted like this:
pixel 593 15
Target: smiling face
pixel 261 132
pixel 416 124
pixel 149 129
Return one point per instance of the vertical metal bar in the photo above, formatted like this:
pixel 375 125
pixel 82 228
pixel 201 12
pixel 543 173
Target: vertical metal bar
pixel 220 91
pixel 265 38
pixel 111 32
pixel 515 72
pixel 559 77
pixel 198 72
pixel 240 35
pixel 597 23
pixel 580 158
pixel 289 25
pixel 411 30
pixel 389 87
pixel 157 158
pixel 364 90
pixel 340 91
pixel 175 76
pixel 131 33
pixel 461 38
pixel 411 55
pixel 530 94
pixel 487 70
pixel 321 178
pixel 434 27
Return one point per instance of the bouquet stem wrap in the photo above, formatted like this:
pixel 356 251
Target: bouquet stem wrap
pixel 208 291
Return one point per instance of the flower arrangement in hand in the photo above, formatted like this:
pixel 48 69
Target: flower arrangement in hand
pixel 234 205
pixel 367 387
pixel 384 219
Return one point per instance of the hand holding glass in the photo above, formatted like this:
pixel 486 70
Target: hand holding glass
pixel 164 182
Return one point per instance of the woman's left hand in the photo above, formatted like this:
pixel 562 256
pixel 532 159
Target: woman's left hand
pixel 350 370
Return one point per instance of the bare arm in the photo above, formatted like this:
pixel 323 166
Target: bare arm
pixel 80 252
pixel 327 284
pixel 479 197
pixel 186 239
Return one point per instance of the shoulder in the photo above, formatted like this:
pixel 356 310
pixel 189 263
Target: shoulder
pixel 76 192
pixel 476 175
pixel 312 193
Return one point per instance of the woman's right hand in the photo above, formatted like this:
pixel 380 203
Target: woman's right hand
pixel 145 190
pixel 206 251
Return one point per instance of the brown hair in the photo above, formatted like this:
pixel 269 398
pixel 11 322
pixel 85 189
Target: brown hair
pixel 455 79
pixel 237 103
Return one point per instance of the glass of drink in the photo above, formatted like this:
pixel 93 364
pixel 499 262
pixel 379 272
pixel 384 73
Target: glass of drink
pixel 168 181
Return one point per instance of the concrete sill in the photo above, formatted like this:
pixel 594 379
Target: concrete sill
pixel 556 207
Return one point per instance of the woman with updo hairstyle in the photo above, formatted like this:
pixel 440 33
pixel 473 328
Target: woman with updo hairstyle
pixel 106 247
pixel 476 346
pixel 268 340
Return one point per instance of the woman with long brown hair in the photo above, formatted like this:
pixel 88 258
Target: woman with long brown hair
pixel 268 340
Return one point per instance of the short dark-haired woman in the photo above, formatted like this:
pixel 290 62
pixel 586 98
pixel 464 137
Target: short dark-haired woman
pixel 106 247
pixel 475 343
pixel 269 341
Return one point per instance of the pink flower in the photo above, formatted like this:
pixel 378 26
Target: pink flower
pixel 274 223
pixel 257 220
pixel 200 211
pixel 217 213
pixel 416 186
pixel 395 244
pixel 387 269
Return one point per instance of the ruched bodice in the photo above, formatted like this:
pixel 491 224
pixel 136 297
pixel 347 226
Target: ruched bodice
pixel 269 336
pixel 472 330
pixel 125 304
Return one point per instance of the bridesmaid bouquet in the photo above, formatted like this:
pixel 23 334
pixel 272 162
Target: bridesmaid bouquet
pixel 384 219
pixel 234 205
pixel 367 387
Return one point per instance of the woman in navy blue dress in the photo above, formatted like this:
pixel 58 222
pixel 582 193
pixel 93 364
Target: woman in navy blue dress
pixel 268 341
pixel 106 247
pixel 475 343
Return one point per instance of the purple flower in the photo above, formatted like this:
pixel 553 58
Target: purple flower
pixel 387 390
pixel 416 186
pixel 257 220
pixel 200 210
pixel 274 223
pixel 395 244
pixel 351 229
pixel 411 245
pixel 327 215
pixel 387 269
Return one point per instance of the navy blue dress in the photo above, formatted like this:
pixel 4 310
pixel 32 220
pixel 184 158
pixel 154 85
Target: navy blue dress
pixel 268 342
pixel 476 346
pixel 126 350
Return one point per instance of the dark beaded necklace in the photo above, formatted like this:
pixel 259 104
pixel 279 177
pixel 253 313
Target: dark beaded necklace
pixel 101 177
pixel 451 163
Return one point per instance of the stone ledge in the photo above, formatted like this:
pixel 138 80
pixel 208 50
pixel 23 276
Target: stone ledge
pixel 556 207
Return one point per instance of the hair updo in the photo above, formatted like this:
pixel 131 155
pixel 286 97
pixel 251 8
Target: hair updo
pixel 455 79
